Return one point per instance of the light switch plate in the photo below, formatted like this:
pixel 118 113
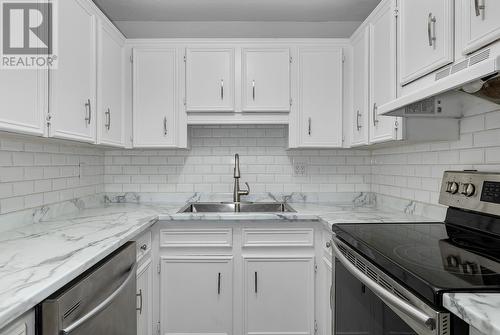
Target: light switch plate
pixel 300 169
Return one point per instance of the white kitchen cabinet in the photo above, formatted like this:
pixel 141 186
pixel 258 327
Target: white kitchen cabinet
pixel 383 73
pixel 481 23
pixel 361 87
pixel 426 37
pixel 73 83
pixel 110 86
pixel 209 79
pixel 156 102
pixel 327 294
pixel 278 295
pixel 145 298
pixel 266 80
pixel 25 325
pixel 320 96
pixel 23 99
pixel 196 295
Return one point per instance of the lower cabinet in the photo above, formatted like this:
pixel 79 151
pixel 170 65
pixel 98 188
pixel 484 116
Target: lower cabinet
pixel 145 299
pixel 196 295
pixel 25 325
pixel 279 295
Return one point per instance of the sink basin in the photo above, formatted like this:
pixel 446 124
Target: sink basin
pixel 231 207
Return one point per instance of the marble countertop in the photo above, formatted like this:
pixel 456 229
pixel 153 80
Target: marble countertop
pixel 38 259
pixel 480 310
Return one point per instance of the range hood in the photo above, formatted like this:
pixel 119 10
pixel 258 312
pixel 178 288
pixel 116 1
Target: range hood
pixel 471 82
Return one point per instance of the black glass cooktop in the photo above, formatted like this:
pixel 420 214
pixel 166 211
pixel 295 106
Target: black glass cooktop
pixel 429 258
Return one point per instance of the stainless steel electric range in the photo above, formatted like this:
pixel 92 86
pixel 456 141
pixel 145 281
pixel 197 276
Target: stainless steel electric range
pixel 390 278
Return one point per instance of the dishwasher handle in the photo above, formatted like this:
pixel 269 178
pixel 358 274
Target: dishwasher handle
pixel 105 303
pixel 386 296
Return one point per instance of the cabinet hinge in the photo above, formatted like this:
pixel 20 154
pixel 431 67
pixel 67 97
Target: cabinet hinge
pixel 131 58
pixel 158 268
pixel 48 118
pixel 185 101
pixel 291 102
pixel 396 125
pixel 291 59
pixel 315 267
pixel 343 139
pixel 396 12
pixel 316 327
pixel 343 58
pixel 185 58
pixel 158 328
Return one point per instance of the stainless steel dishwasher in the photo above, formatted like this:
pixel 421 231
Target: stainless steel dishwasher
pixel 102 301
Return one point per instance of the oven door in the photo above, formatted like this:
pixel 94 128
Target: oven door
pixel 367 301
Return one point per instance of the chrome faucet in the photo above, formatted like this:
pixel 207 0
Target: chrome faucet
pixel 237 191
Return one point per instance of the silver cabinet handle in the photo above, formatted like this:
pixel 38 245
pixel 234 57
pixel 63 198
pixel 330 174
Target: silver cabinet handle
pixel 108 117
pixel 144 247
pixel 255 283
pixel 103 305
pixel 218 284
pixel 253 90
pixel 386 296
pixel 309 126
pixel 375 120
pixel 139 309
pixel 331 297
pixel 222 89
pixel 88 109
pixel 479 8
pixel 165 130
pixel 358 116
pixel 431 23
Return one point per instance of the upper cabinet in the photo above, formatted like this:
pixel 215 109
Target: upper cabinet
pixel 481 23
pixel 73 83
pixel 320 96
pixel 361 87
pixel 156 99
pixel 110 86
pixel 209 79
pixel 426 38
pixel 266 80
pixel 23 99
pixel 383 72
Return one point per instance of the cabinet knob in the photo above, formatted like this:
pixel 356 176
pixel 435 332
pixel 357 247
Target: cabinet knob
pixel 144 247
pixel 329 244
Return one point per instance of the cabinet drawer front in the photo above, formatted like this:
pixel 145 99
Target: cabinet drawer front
pixel 143 245
pixel 299 237
pixel 178 238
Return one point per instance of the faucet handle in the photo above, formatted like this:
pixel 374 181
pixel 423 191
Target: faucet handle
pixel 247 191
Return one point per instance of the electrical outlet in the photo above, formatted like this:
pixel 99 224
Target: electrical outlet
pixel 299 169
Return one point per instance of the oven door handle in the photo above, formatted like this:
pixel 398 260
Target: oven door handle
pixel 386 296
pixel 105 303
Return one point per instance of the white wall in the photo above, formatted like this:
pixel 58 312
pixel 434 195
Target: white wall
pixel 236 29
pixel 35 172
pixel 266 164
pixel 415 171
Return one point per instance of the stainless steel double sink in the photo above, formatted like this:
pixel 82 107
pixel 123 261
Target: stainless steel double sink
pixel 242 207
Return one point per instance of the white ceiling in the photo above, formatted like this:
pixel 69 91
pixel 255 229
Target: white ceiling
pixel 237 10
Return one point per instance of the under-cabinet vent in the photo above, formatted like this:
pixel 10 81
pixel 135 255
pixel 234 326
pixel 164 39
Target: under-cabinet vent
pixel 459 67
pixel 473 60
pixel 444 73
pixel 477 58
pixel 370 271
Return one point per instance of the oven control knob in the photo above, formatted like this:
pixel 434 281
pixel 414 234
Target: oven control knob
pixel 452 261
pixel 469 190
pixel 469 268
pixel 452 187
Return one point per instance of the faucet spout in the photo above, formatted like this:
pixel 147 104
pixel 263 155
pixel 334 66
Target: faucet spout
pixel 237 193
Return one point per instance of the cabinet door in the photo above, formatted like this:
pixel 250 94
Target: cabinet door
pixel 196 295
pixel 361 84
pixel 279 295
pixel 155 94
pixel 110 70
pixel 426 37
pixel 320 97
pixel 266 80
pixel 327 296
pixel 209 79
pixel 22 101
pixel 73 83
pixel 481 24
pixel 145 299
pixel 383 73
